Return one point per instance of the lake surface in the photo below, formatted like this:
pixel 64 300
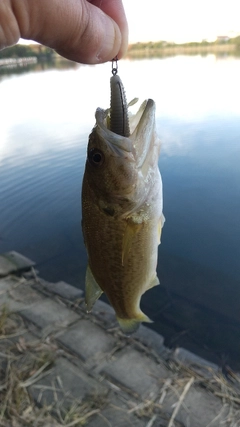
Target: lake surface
pixel 46 117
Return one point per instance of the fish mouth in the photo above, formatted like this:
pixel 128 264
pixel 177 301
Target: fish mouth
pixel 122 131
pixel 113 124
pixel 144 135
pixel 118 144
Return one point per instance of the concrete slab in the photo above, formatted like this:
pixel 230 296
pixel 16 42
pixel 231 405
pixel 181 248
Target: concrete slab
pixel 116 413
pixel 63 289
pixel 150 338
pixel 199 408
pixel 17 295
pixel 11 262
pixel 49 313
pixel 197 363
pixel 6 284
pixel 65 385
pixel 136 372
pixel 104 312
pixel 87 340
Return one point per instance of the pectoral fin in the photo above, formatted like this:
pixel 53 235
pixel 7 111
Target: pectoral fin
pixel 160 226
pixel 131 230
pixel 92 290
pixel 159 232
pixel 129 326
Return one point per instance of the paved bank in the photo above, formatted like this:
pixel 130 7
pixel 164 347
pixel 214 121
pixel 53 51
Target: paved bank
pixel 79 369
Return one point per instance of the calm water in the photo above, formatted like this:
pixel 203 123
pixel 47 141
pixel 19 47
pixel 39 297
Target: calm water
pixel 46 117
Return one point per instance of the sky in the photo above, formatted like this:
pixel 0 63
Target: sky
pixel 182 20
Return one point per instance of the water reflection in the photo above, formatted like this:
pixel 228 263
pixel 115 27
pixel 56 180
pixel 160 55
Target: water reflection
pixel 40 65
pixel 46 117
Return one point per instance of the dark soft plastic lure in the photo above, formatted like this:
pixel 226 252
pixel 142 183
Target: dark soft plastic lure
pixel 119 122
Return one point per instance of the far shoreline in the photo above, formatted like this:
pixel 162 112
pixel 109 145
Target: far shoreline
pixel 140 50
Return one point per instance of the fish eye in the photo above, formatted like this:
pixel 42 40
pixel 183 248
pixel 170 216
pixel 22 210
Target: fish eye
pixel 96 157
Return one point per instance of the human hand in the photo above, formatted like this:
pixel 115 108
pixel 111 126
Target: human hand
pixel 86 31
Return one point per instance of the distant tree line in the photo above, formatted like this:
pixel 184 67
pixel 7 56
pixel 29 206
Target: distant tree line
pixel 236 41
pixel 163 44
pixel 23 51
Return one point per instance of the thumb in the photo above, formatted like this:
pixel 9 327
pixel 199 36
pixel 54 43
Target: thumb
pixel 76 29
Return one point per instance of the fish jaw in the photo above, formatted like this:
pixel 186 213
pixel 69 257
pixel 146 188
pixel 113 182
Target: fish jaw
pixel 144 136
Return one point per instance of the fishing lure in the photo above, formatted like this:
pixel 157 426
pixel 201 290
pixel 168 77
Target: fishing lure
pixel 119 121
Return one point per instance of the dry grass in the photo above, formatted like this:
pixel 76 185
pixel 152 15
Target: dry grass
pixel 21 363
pixel 4 315
pixel 25 359
pixel 228 389
pixel 214 383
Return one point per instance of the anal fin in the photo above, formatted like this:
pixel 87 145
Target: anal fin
pixel 92 290
pixel 129 326
pixel 154 282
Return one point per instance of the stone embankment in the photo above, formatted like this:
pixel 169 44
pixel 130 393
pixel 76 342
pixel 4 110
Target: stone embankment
pixel 62 366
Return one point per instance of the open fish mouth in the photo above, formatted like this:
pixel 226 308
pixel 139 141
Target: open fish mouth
pixel 123 131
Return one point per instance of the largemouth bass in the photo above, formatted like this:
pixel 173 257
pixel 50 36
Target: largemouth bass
pixel 122 207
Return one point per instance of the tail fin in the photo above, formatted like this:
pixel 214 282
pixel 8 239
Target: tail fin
pixel 129 326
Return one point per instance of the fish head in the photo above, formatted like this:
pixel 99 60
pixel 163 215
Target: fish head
pixel 119 168
pixel 110 161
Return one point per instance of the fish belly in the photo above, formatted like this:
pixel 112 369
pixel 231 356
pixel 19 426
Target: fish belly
pixel 123 279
